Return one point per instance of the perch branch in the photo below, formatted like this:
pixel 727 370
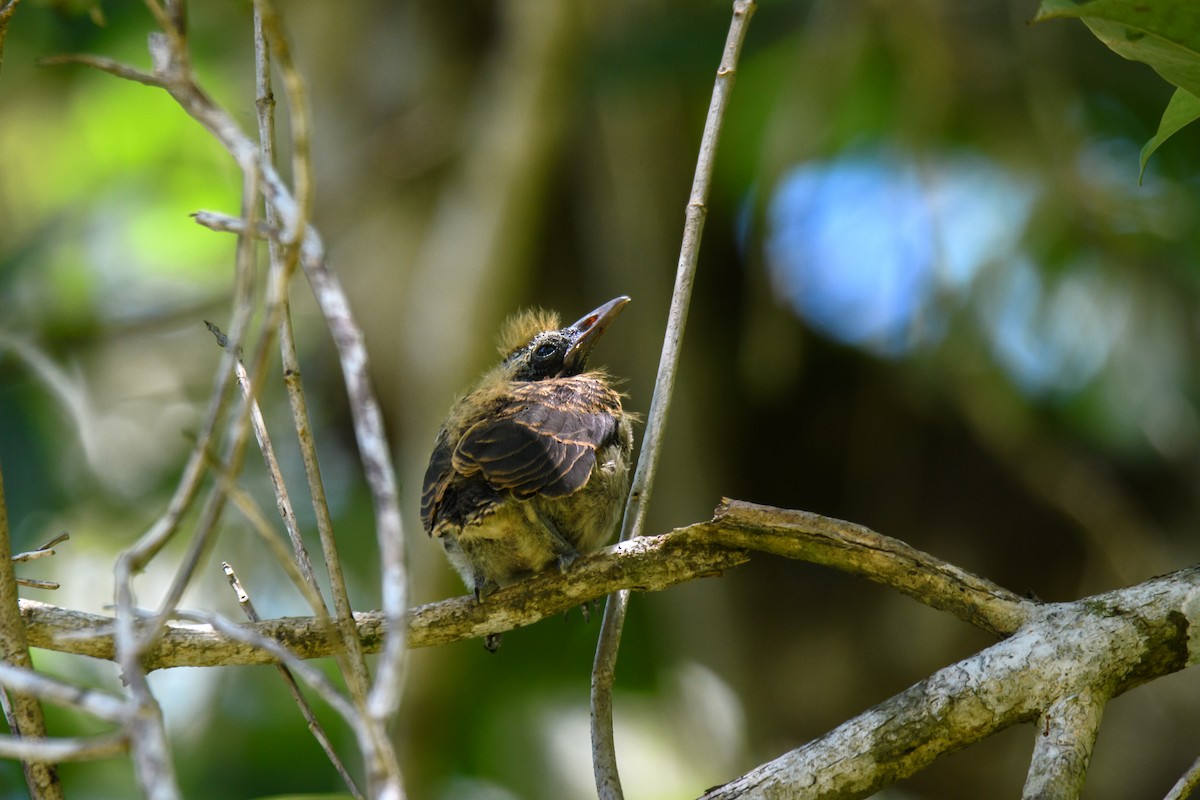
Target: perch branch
pixel 1061 660
pixel 856 549
pixel 649 563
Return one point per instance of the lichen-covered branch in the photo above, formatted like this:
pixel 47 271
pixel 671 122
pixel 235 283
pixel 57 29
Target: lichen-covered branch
pixel 1059 665
pixel 1062 748
pixel 1098 646
pixel 850 547
pixel 648 564
pixel 644 564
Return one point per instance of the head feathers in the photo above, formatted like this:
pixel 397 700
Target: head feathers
pixel 520 328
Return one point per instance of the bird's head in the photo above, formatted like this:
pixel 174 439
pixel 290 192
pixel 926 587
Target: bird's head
pixel 535 347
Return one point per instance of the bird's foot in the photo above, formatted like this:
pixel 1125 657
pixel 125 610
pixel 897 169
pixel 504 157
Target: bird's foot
pixel 566 559
pixel 483 588
pixel 585 609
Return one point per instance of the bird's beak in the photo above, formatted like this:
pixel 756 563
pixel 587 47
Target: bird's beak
pixel 587 329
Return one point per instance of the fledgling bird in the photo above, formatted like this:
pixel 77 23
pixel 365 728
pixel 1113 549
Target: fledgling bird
pixel 531 466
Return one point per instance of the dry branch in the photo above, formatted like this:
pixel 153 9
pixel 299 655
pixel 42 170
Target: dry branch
pixel 648 563
pixel 297 242
pixel 1099 647
pixel 1062 661
pixel 21 710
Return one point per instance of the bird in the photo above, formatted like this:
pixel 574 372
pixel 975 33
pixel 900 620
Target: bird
pixel 531 467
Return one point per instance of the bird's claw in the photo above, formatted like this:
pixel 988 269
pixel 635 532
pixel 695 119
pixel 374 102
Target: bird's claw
pixel 565 560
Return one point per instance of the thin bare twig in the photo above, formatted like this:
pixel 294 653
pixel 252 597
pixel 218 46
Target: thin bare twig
pixel 172 72
pixel 241 426
pixel 45 551
pixel 310 718
pixel 265 104
pixel 383 700
pixel 58 750
pixel 99 704
pixel 104 64
pixel 313 677
pixel 34 583
pixel 258 521
pixel 374 452
pixel 224 223
pixel 268 35
pixel 41 552
pixel 302 567
pixel 150 749
pixel 604 756
pixel 22 710
pixel 1186 784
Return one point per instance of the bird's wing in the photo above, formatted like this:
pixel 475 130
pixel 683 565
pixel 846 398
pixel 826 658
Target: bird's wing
pixel 543 439
pixel 437 477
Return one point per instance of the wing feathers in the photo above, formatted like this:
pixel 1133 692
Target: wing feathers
pixel 543 440
pixel 539 438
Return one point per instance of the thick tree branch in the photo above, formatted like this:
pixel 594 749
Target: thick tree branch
pixel 1098 646
pixel 1062 661
pixel 1063 747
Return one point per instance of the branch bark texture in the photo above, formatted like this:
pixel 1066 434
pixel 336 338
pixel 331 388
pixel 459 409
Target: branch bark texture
pixel 1059 664
pixel 22 711
pixel 1093 648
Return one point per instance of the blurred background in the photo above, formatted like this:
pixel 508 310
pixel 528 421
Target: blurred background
pixel 932 298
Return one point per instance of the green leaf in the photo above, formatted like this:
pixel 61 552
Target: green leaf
pixel 1162 33
pixel 1183 108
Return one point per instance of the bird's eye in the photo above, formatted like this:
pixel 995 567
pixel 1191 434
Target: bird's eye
pixel 544 352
